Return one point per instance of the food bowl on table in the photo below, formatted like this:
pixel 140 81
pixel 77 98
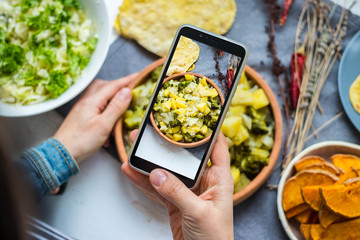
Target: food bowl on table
pixel 100 26
pixel 203 132
pixel 122 133
pixel 316 153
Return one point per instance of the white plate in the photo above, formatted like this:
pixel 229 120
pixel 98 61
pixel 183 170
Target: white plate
pixel 97 12
pixel 323 149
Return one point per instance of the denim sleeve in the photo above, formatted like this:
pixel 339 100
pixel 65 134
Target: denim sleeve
pixel 47 166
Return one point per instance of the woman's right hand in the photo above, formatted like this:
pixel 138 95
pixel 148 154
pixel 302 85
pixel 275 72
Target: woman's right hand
pixel 206 213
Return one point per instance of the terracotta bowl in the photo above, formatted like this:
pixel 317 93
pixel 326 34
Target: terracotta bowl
pixel 323 149
pixel 264 173
pixel 181 144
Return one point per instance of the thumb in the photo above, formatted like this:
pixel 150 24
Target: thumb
pixel 171 188
pixel 117 106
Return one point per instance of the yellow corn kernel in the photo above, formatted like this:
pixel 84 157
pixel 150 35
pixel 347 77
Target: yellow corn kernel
pixel 201 106
pixel 173 104
pixel 189 77
pixel 203 82
pixel 213 93
pixel 183 129
pixel 166 106
pixel 203 130
pixel 176 129
pixel 180 104
pixel 166 92
pixel 207 110
pixel 177 137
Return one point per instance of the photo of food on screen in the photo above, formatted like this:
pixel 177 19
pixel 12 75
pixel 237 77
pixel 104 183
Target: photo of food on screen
pixel 188 106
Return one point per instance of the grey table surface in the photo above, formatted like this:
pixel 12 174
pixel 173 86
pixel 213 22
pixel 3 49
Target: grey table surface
pixel 256 217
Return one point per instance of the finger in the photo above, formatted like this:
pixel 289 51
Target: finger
pixel 220 154
pixel 117 106
pixel 140 180
pixel 172 189
pixel 133 135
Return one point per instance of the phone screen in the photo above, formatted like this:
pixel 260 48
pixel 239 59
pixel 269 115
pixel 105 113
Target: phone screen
pixel 188 104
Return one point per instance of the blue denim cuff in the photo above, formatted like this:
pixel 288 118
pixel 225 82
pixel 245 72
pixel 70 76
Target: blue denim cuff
pixel 53 162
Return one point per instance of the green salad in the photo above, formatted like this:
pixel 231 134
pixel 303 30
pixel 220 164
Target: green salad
pixel 44 46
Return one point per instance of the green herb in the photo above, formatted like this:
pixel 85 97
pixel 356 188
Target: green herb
pixel 57 84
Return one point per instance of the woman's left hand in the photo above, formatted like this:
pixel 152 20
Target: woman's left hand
pixel 91 120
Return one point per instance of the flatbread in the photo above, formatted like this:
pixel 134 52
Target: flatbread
pixel 153 24
pixel 354 94
pixel 186 54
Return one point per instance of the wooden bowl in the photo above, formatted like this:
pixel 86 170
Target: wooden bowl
pixel 264 173
pixel 181 144
pixel 323 149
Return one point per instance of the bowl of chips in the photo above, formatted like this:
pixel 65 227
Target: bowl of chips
pixel 313 193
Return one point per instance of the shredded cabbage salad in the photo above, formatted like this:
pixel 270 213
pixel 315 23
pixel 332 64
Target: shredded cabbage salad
pixel 44 46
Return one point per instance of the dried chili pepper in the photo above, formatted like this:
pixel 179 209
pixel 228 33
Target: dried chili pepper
pixel 229 77
pixel 296 76
pixel 286 6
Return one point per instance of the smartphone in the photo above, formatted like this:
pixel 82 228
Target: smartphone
pixel 188 104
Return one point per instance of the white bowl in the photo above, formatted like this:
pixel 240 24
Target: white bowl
pixel 95 10
pixel 323 149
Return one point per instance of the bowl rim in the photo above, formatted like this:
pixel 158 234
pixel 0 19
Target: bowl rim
pixel 181 144
pixel 257 182
pixel 12 110
pixel 284 221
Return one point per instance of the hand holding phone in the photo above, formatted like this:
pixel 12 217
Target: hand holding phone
pixel 206 213
pixel 188 104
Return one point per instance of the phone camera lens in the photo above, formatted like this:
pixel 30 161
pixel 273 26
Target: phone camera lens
pixel 201 35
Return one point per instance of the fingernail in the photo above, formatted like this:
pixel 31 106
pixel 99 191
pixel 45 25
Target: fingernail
pixel 124 94
pixel 157 178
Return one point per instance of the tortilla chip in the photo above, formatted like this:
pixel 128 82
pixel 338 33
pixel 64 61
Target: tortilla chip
pixel 186 54
pixel 153 24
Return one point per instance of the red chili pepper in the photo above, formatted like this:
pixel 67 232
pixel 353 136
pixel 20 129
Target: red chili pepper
pixel 287 4
pixel 221 53
pixel 296 78
pixel 230 77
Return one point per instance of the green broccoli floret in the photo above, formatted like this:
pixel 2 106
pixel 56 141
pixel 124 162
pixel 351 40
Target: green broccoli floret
pixel 259 127
pixel 57 84
pixel 174 123
pixel 187 138
pixel 166 85
pixel 214 103
pixel 182 85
